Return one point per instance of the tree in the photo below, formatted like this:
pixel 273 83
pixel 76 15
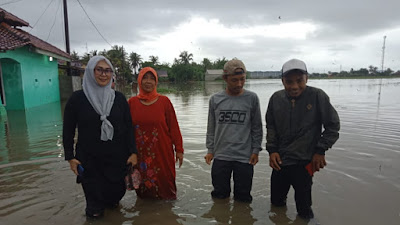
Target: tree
pixel 206 64
pixel 373 69
pixel 388 71
pixel 185 57
pixel 74 56
pixel 153 59
pixel 135 61
pixel 219 63
pixel 118 57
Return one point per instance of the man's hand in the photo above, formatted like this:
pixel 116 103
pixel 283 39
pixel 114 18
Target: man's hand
pixel 132 159
pixel 318 162
pixel 73 164
pixel 275 161
pixel 253 159
pixel 179 157
pixel 209 157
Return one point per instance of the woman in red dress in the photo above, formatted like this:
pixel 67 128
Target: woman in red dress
pixel 158 138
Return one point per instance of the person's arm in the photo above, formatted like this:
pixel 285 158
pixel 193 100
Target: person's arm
pixel 210 128
pixel 69 126
pixel 175 132
pixel 131 143
pixel 331 123
pixel 210 132
pixel 272 139
pixel 256 127
pixel 256 131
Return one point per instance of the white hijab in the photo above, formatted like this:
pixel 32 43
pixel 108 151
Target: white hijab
pixel 101 98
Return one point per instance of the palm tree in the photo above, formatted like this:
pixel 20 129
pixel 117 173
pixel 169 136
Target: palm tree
pixel 206 64
pixel 219 63
pixel 118 57
pixel 186 57
pixel 154 59
pixel 135 61
pixel 74 56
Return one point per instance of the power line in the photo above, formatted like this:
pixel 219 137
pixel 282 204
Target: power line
pixel 11 2
pixel 41 15
pixel 93 23
pixel 55 19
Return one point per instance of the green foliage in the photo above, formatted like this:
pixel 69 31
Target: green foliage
pixel 185 57
pixel 135 61
pixel 184 69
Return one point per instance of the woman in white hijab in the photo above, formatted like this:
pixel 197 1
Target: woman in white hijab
pixel 105 142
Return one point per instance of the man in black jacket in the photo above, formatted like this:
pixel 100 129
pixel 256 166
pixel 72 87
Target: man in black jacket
pixel 296 141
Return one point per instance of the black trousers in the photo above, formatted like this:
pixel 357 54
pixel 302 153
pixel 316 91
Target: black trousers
pixel 221 173
pixel 300 179
pixel 101 193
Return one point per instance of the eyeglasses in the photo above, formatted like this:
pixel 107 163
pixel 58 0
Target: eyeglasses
pixel 100 70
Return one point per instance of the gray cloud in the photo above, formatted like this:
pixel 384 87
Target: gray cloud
pixel 348 31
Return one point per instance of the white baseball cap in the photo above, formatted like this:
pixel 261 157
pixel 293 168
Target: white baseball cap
pixel 293 64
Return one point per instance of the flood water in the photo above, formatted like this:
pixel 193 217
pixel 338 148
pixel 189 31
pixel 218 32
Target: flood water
pixel 360 185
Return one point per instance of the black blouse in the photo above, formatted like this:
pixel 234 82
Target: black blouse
pixel 97 156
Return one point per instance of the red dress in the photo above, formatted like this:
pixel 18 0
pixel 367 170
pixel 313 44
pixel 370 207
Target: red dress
pixel 157 133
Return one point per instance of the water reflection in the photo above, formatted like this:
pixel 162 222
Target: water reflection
pixel 153 212
pixel 37 186
pixel 225 212
pixel 278 215
pixel 31 134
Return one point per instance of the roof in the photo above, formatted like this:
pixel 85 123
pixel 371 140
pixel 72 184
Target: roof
pixel 162 73
pixel 215 72
pixel 11 19
pixel 12 38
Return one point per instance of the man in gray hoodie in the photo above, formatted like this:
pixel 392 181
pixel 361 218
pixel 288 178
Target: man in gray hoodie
pixel 234 135
pixel 295 140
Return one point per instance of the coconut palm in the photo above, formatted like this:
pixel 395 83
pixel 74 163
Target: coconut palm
pixel 135 61
pixel 153 59
pixel 185 57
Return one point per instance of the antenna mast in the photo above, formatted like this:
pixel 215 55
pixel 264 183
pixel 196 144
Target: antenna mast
pixel 383 53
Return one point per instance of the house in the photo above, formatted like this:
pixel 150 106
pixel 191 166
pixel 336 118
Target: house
pixel 265 74
pixel 211 75
pixel 28 66
pixel 162 73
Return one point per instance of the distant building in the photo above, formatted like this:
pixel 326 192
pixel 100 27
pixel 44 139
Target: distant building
pixel 28 66
pixel 162 73
pixel 265 74
pixel 211 75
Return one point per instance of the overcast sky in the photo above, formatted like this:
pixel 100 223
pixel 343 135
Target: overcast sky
pixel 327 35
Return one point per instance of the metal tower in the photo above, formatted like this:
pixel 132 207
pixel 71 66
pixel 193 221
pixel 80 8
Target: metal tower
pixel 383 53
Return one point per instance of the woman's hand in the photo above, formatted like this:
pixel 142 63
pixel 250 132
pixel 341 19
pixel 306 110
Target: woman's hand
pixel 73 164
pixel 132 159
pixel 179 157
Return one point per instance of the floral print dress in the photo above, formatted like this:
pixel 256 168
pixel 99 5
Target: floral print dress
pixel 157 138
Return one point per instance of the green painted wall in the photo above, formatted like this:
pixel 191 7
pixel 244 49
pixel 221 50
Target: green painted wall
pixel 3 111
pixel 38 79
pixel 12 81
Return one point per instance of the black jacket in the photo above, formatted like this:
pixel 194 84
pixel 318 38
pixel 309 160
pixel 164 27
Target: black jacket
pixel 294 125
pixel 106 158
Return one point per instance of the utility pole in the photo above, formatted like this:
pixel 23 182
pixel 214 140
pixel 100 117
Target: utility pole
pixel 67 35
pixel 383 53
